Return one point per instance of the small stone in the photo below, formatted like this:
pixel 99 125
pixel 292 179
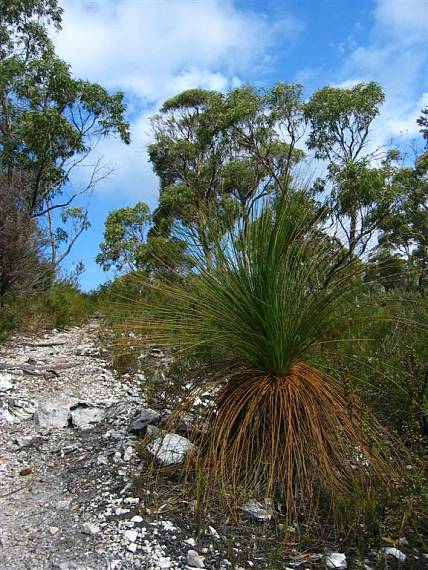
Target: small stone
pixel 130 535
pixel 213 532
pixel 118 512
pixel 85 416
pixel 190 542
pixel 143 419
pixel 336 560
pixel 26 471
pixel 90 528
pixel 28 440
pixel 102 460
pixel 132 547
pixel 394 553
pixel 170 449
pixel 151 430
pixel 53 530
pixel 5 382
pixel 116 435
pixel 137 519
pixel 129 452
pixel 194 560
pixel 257 511
pixel 64 504
pixel 21 410
pixel 131 501
pixel 53 413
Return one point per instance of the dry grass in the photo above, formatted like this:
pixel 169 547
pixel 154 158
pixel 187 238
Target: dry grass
pixel 289 439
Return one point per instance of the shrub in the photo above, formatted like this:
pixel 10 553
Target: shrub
pixel 61 305
pixel 262 315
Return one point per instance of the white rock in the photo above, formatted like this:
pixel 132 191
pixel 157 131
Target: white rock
pixel 190 542
pixel 5 415
pixel 194 560
pixel 132 547
pixel 86 417
pixel 131 501
pixel 336 560
pixel 257 511
pixel 129 452
pixel 130 535
pixel 90 528
pixel 170 449
pixel 394 553
pixel 53 530
pixel 213 532
pixel 118 512
pixel 166 525
pixel 21 409
pixel 53 413
pixel 137 519
pixel 5 382
pixel 64 504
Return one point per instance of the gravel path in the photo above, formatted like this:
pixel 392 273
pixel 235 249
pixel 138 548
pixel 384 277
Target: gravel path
pixel 66 460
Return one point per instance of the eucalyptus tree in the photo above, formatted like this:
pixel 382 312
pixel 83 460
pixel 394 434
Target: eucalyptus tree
pixel 129 246
pixel 50 122
pixel 124 237
pixel 218 154
pixel 406 231
pixel 362 189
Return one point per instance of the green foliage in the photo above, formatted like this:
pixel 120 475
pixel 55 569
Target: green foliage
pixel 340 120
pixel 130 246
pixel 361 186
pixel 216 155
pixel 387 363
pixel 423 123
pixel 50 121
pixel 406 231
pixel 25 24
pixel 61 305
pixel 263 320
pixel 124 238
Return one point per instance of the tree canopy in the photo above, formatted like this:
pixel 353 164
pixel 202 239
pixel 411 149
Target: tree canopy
pixel 50 121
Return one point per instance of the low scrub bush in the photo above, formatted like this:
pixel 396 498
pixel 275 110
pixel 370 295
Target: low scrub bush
pixel 61 305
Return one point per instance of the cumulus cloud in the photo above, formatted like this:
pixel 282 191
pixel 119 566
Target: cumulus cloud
pixel 154 50
pixel 148 48
pixel 407 18
pixel 395 55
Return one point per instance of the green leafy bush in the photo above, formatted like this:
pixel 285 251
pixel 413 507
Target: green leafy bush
pixel 61 305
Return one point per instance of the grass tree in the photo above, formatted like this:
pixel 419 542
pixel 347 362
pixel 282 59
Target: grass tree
pixel 280 427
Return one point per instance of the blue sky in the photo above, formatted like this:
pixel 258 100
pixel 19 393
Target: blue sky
pixel 153 49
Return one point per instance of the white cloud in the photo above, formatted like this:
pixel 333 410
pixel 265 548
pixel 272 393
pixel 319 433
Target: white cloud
pixel 395 56
pixel 145 47
pixel 152 50
pixel 407 18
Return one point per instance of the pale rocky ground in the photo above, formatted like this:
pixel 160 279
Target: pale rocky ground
pixel 74 510
pixel 68 462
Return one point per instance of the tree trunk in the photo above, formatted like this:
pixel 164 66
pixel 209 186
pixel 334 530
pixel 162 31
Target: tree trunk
pixel 51 234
